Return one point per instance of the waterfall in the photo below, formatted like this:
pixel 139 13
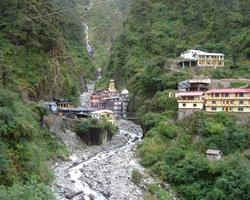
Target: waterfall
pixel 86 30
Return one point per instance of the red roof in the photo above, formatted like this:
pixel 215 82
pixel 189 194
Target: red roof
pixel 181 94
pixel 230 90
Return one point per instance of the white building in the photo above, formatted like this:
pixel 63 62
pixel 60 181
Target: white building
pixel 213 154
pixel 202 59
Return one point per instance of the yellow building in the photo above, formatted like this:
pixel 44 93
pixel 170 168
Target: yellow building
pixel 227 100
pixel 203 59
pixel 190 100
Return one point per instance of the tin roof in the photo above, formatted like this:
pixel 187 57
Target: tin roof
pixel 200 81
pixel 230 90
pixel 213 151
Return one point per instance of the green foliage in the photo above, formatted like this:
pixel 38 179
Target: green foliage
pixel 24 149
pixel 155 33
pixel 43 55
pixel 158 31
pixel 173 153
pixel 136 177
pixel 30 191
pixel 160 193
pixel 89 125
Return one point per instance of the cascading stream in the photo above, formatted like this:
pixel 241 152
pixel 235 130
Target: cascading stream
pixel 86 30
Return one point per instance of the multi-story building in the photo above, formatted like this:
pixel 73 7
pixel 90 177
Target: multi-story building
pixel 194 85
pixel 111 99
pixel 228 100
pixel 189 102
pixel 198 58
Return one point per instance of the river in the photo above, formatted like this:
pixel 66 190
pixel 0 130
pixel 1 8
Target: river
pixel 99 172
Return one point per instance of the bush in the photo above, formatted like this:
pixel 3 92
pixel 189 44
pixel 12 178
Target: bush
pixel 136 177
pixel 30 191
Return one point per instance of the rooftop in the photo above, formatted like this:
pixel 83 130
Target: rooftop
pixel 200 81
pixel 213 152
pixel 198 52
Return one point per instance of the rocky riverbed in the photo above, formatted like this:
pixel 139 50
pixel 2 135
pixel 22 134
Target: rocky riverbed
pixel 101 172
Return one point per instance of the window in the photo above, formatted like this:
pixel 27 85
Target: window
pixel 241 102
pixel 213 108
pixel 231 109
pixel 240 109
pixel 212 95
pixel 217 95
pixel 213 102
pixel 226 95
pixel 232 102
pixel 184 105
pixel 195 105
pixel 241 95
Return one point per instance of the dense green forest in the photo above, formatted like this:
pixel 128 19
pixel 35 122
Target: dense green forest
pixel 42 47
pixel 42 56
pixel 155 33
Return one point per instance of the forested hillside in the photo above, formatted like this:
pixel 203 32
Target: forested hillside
pixel 42 47
pixel 42 56
pixel 155 33
pixel 105 19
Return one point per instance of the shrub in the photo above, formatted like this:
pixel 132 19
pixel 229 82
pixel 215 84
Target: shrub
pixel 136 177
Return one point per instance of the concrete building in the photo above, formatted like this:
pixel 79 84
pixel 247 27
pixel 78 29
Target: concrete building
pixel 194 85
pixel 213 154
pixel 111 99
pixel 125 99
pixel 227 100
pixel 64 103
pixel 189 102
pixel 196 58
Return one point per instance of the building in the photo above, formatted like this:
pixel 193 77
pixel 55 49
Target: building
pixel 111 89
pixel 125 100
pixel 64 103
pixel 228 100
pixel 213 154
pixel 189 102
pixel 111 99
pixel 196 58
pixel 113 103
pixel 107 115
pixel 194 85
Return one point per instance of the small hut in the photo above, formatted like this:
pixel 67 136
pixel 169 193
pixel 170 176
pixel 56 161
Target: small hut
pixel 213 154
